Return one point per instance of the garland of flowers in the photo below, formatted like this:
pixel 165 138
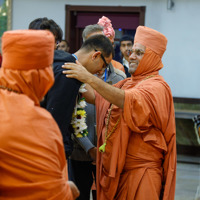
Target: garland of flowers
pixel 79 115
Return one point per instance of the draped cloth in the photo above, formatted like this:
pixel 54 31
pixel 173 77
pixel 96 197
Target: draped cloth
pixel 32 158
pixel 117 65
pixel 139 161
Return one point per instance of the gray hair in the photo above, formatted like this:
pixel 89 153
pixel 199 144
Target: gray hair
pixel 91 29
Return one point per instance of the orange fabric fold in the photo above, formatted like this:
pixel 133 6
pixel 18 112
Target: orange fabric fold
pixel 117 65
pixel 29 51
pixel 33 83
pixel 148 37
pixel 33 164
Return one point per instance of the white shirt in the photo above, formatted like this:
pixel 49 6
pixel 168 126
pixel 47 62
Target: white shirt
pixel 125 62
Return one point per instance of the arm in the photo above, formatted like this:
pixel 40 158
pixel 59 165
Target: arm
pixel 87 146
pixel 112 94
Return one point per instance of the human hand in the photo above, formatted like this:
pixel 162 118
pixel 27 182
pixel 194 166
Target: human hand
pixel 74 189
pixel 93 153
pixel 77 71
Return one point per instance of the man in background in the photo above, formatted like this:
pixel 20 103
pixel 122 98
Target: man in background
pixel 63 45
pixel 126 44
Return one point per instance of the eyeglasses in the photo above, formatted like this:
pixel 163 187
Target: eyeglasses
pixel 106 64
pixel 138 52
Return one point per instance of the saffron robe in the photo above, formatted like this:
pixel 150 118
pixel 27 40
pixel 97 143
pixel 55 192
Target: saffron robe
pixel 117 65
pixel 32 157
pixel 139 161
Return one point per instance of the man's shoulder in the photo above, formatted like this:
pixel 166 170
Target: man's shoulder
pixel 115 75
pixel 153 83
pixel 62 56
pixel 120 73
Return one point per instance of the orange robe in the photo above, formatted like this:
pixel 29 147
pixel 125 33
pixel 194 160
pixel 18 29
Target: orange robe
pixel 117 65
pixel 139 161
pixel 33 164
pixel 32 157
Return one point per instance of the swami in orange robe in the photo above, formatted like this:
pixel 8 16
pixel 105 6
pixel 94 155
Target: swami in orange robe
pixel 32 157
pixel 139 161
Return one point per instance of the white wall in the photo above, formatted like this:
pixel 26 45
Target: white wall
pixel 180 25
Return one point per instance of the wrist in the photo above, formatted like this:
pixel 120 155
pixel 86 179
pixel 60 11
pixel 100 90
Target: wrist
pixel 94 81
pixel 90 79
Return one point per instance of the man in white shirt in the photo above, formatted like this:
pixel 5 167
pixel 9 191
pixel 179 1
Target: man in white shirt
pixel 126 43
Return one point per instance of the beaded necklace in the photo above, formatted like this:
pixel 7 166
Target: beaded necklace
pixel 107 135
pixel 9 89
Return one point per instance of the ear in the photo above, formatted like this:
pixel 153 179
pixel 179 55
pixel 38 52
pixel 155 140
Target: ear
pixel 96 54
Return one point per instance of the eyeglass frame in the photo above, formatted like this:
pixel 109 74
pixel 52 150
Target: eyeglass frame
pixel 102 57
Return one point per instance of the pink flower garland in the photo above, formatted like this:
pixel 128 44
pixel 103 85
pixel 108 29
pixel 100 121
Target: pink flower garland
pixel 106 24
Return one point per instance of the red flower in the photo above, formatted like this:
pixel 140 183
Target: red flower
pixel 78 116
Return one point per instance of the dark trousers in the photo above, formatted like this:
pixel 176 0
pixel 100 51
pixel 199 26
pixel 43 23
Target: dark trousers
pixel 82 174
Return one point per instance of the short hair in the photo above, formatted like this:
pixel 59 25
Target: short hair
pixel 47 24
pixel 126 38
pixel 100 43
pixel 91 29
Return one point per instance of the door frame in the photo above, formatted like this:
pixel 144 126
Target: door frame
pixel 71 14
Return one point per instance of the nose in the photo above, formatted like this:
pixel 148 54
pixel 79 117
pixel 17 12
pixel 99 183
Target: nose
pixel 132 56
pixel 126 47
